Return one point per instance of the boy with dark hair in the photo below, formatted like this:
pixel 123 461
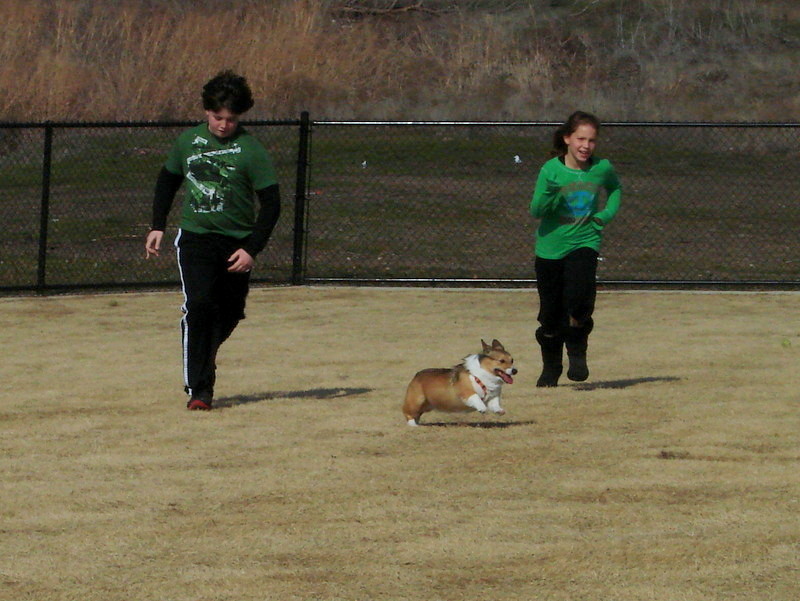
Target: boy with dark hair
pixel 220 234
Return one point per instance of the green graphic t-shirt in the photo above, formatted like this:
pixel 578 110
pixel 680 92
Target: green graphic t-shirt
pixel 221 179
pixel 566 200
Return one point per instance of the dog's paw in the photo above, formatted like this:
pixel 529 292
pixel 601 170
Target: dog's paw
pixel 475 402
pixel 412 422
pixel 494 407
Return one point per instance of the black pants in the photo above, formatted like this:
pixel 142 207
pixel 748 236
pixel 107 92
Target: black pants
pixel 567 288
pixel 214 301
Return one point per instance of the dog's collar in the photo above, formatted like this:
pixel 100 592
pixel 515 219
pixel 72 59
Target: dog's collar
pixel 479 386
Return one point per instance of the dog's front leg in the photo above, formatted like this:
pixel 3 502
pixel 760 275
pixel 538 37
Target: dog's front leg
pixel 476 403
pixel 494 406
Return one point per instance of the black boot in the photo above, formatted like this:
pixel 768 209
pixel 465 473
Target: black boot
pixel 552 351
pixel 577 341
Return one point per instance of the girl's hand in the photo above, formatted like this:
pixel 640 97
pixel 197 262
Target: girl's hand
pixel 240 262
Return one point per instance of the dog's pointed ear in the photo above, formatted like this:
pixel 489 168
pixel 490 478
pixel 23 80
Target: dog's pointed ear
pixel 486 347
pixel 497 346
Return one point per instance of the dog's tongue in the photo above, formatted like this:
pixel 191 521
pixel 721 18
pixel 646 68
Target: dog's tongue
pixel 506 378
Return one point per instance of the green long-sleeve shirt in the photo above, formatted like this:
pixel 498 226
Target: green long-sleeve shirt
pixel 566 201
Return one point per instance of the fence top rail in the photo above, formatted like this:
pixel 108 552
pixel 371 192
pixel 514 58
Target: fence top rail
pixel 297 122
pixel 732 124
pixel 126 124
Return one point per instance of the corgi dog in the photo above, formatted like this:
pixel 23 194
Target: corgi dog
pixel 473 385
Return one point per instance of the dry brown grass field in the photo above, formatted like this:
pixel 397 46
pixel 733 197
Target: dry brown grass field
pixel 90 60
pixel 671 475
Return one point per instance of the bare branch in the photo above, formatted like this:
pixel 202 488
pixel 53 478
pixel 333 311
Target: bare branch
pixel 393 7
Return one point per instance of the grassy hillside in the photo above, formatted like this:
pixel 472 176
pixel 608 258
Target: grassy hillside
pixel 403 59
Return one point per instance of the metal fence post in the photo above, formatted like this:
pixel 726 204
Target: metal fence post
pixel 300 200
pixel 44 213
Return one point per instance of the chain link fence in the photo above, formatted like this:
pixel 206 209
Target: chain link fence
pixel 76 201
pixel 409 203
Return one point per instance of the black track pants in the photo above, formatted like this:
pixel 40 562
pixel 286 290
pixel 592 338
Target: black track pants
pixel 214 301
pixel 567 288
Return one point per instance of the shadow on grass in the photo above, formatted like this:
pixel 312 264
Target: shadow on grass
pixel 616 384
pixel 313 393
pixel 487 425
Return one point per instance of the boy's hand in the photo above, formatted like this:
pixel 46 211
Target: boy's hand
pixel 153 243
pixel 240 261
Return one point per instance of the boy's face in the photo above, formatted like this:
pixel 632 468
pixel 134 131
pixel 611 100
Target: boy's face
pixel 222 123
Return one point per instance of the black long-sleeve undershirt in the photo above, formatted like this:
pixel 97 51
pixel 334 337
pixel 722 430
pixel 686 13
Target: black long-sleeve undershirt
pixel 167 185
pixel 269 200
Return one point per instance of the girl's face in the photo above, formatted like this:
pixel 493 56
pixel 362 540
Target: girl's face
pixel 580 146
pixel 222 123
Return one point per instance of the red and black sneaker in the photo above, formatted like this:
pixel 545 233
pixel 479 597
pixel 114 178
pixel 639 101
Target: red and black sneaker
pixel 195 404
